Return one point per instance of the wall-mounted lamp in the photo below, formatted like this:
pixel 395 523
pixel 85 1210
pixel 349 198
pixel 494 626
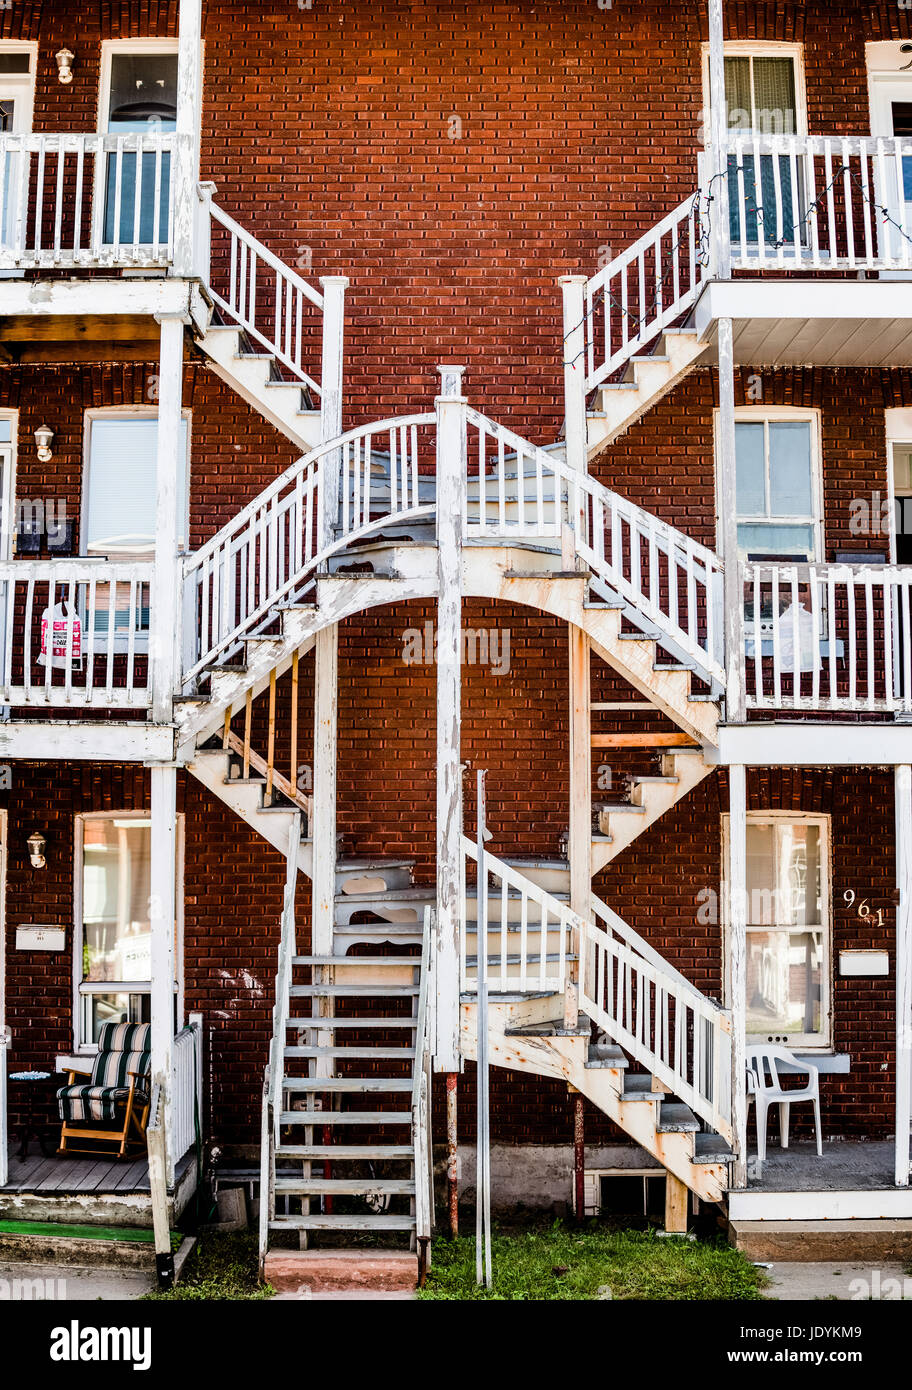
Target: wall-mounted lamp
pixel 36 847
pixel 43 437
pixel 65 65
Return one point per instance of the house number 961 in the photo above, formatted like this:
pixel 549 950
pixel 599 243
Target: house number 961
pixel 876 918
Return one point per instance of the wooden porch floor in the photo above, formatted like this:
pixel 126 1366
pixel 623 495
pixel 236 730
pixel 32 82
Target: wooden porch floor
pixel 63 1176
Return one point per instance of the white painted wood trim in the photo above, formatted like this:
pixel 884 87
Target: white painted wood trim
pixel 323 827
pixel 732 586
pixel 451 503
pixel 736 963
pixel 97 740
pixel 167 593
pixel 877 1204
pixel 163 915
pixel 903 793
pixel 574 360
pixel 4 1117
pixel 580 838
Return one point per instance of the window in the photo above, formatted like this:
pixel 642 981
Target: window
pixel 139 95
pixel 764 97
pixel 17 92
pixel 789 930
pixel 113 929
pixel 119 499
pixel 778 485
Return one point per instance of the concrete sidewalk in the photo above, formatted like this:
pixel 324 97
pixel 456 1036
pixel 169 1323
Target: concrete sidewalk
pixel 71 1283
pixel 842 1280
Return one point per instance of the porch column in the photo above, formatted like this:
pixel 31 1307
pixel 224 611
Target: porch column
pixel 451 500
pixel 903 797
pixel 736 991
pixel 166 599
pixel 574 358
pixel 163 915
pixel 185 166
pixel 732 583
pixel 323 830
pixel 718 163
pixel 580 836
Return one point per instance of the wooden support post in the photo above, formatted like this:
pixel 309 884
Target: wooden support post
pixel 718 163
pixel 579 1154
pixel 270 737
pixel 163 915
pixel 333 287
pixel 677 1197
pixel 903 794
pixel 733 585
pixel 574 320
pixel 185 166
pixel 451 501
pixel 326 676
pixel 452 1082
pixel 293 720
pixel 166 597
pixel 580 837
pixel 737 963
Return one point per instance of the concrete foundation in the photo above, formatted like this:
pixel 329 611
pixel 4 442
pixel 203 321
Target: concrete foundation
pixel 811 1241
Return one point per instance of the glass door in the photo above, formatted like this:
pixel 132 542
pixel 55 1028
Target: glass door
pixel 141 98
pixel 891 115
pixel 16 99
pixel 4 1034
pixel 761 98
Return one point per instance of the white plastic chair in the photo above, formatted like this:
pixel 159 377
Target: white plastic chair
pixel 765 1088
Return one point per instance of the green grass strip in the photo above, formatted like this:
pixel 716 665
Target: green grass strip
pixel 138 1234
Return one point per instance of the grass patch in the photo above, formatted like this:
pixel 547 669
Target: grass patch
pixel 564 1263
pixel 220 1266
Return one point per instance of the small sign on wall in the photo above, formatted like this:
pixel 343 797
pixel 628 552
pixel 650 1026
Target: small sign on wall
pixel 864 963
pixel 32 937
pixel 6 776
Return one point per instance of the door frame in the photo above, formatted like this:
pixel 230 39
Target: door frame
pixel 20 86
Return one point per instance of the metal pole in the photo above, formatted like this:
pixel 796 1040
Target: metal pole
pixel 483 1273
pixel 452 1153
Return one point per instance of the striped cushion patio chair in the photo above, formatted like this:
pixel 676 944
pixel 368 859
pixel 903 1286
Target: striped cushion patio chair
pixel 112 1107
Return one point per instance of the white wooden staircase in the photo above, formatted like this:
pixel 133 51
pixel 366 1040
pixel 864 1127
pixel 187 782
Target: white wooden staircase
pixel 647 377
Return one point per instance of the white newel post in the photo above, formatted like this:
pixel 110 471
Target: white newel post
pixel 736 953
pixel 185 167
pixel 202 254
pixel 323 830
pixel 580 835
pixel 732 583
pixel 163 915
pixel 165 648
pixel 451 502
pixel 333 287
pixel 903 795
pixel 574 339
pixel 720 249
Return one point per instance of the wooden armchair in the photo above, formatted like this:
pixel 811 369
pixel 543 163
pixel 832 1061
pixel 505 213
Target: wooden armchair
pixel 112 1107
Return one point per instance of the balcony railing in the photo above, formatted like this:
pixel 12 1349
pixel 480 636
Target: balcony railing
pixel 74 633
pixel 87 200
pixel 828 637
pixel 820 202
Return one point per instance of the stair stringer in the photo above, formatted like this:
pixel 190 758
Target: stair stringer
pixel 647 380
pixel 689 766
pixel 486 575
pixel 210 766
pixel 564 1058
pixel 251 375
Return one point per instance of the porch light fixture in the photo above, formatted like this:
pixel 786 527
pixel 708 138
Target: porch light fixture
pixel 36 847
pixel 65 65
pixel 43 436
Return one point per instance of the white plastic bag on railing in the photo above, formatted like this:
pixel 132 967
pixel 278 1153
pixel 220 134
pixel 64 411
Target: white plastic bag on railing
pixel 807 657
pixel 56 628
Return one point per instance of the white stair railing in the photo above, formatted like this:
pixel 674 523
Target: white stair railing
pixel 88 200
pixel 657 1017
pixel 266 552
pixel 819 202
pixel 259 293
pixel 272 1085
pixel 524 492
pixel 828 637
pixel 530 933
pixel 643 290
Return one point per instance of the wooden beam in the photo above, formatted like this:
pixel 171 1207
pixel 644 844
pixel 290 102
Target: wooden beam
pixel 87 328
pixel 903 795
pixel 679 740
pixel 732 583
pixel 737 963
pixel 677 1200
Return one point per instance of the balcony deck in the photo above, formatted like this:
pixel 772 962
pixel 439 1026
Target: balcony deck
pixel 88 1190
